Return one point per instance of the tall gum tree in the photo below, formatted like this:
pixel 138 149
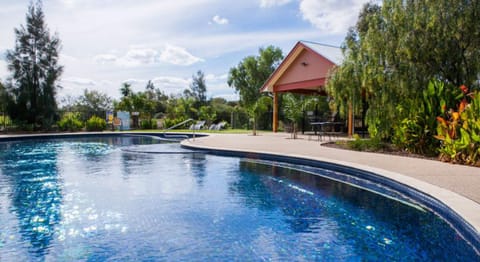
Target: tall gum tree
pixel 35 71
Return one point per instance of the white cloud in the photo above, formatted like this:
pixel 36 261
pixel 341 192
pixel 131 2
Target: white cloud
pixel 3 54
pixel 138 56
pixel 133 81
pixel 3 64
pixel 271 3
pixel 178 56
pixel 105 58
pixel 225 44
pixel 331 16
pixel 210 77
pixel 171 83
pixel 220 20
pixel 228 96
pixel 223 77
pixel 67 58
pixel 135 56
pixel 74 86
pixel 216 78
pixel 217 87
pixel 168 84
pixel 143 56
pixel 79 81
pixel 68 3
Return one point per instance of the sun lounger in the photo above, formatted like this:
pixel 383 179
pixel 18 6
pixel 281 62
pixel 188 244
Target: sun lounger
pixel 220 125
pixel 197 126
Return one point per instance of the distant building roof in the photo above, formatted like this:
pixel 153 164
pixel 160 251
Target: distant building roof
pixel 332 53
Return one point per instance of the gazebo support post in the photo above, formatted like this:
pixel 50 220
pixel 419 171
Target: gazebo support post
pixel 350 120
pixel 275 112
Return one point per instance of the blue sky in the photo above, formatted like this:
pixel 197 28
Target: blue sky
pixel 109 42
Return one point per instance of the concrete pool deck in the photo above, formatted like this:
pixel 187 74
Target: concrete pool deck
pixel 455 185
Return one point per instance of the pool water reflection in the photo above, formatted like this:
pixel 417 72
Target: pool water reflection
pixel 87 199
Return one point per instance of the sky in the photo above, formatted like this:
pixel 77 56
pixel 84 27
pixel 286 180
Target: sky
pixel 106 43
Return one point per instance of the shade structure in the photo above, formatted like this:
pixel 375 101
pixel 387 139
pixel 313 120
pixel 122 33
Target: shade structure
pixel 304 70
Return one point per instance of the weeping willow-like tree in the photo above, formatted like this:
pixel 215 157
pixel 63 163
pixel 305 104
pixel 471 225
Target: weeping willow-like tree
pixel 396 49
pixel 344 84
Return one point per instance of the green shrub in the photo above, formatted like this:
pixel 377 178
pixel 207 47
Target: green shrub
pixel 459 131
pixel 5 120
pixel 148 124
pixel 169 122
pixel 153 124
pixel 416 133
pixel 373 144
pixel 70 122
pixel 96 123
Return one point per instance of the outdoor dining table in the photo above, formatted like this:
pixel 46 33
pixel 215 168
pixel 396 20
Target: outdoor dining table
pixel 323 125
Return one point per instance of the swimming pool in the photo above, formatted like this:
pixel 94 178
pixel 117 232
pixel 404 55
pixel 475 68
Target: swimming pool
pixel 105 198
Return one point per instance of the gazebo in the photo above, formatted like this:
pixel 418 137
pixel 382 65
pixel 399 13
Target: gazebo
pixel 305 71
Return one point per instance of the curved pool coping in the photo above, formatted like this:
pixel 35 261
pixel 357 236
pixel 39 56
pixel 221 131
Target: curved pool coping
pixel 460 211
pixel 173 135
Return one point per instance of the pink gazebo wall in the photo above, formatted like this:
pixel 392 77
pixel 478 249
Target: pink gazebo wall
pixel 307 72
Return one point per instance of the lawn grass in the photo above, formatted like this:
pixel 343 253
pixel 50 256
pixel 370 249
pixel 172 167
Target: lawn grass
pixel 206 131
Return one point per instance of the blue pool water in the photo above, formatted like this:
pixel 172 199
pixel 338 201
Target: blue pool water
pixel 98 199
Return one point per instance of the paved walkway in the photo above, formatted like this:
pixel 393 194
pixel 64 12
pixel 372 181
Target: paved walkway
pixel 455 185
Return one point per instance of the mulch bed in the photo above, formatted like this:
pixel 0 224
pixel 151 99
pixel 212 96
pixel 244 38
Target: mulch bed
pixel 390 151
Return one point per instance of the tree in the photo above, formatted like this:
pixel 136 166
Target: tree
pixel 155 100
pixel 93 103
pixel 186 107
pixel 126 103
pixel 150 87
pixel 256 109
pixel 249 75
pixel 294 108
pixel 207 113
pixel 150 103
pixel 3 97
pixel 222 109
pixel 3 107
pixel 161 102
pixel 396 49
pixel 126 89
pixel 198 89
pixel 35 71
